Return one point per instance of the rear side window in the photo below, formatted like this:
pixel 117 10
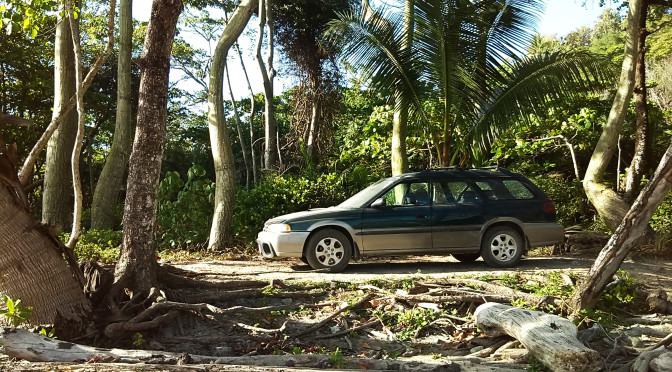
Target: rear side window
pixel 504 189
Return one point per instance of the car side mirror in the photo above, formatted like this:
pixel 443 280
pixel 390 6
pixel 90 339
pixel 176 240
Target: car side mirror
pixel 380 202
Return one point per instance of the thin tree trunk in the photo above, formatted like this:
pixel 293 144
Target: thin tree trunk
pixel 137 268
pixel 606 201
pixel 642 132
pixel 57 195
pixel 400 118
pixel 219 137
pixel 241 138
pixel 77 150
pixel 249 88
pixel 267 74
pixel 312 129
pixel 32 267
pixel 106 195
pixel 628 233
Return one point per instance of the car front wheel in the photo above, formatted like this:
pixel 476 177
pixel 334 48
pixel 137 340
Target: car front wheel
pixel 502 247
pixel 328 249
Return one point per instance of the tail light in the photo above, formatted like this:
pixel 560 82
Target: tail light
pixel 548 206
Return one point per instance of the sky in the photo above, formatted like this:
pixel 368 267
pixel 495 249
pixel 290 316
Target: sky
pixel 560 18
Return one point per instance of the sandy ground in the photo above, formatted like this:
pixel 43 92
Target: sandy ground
pixel 652 273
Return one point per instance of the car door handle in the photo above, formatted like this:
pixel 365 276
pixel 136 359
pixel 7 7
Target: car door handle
pixel 421 216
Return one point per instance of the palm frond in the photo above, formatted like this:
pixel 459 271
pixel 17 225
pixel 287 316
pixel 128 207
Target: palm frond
pixel 530 84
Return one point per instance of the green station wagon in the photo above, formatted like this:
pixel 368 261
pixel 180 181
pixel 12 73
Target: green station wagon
pixel 469 213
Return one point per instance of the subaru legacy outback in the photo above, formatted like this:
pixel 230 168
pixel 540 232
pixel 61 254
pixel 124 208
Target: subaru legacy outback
pixel 491 213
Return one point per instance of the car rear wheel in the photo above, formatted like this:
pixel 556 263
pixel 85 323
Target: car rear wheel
pixel 466 257
pixel 502 247
pixel 328 249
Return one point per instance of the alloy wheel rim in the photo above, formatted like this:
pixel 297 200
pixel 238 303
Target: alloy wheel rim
pixel 503 247
pixel 329 252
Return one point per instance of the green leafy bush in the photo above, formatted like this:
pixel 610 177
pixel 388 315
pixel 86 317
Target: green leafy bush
pixel 661 221
pixel 278 195
pixel 185 209
pixel 571 204
pixel 99 245
pixel 14 311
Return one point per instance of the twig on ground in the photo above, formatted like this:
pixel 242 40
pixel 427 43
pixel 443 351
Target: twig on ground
pixel 348 331
pixel 334 315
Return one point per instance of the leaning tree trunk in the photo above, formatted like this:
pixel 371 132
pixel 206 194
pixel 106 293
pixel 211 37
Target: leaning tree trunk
pixel 610 206
pixel 137 267
pixel 219 136
pixel 111 179
pixel 31 263
pixel 57 195
pixel 631 229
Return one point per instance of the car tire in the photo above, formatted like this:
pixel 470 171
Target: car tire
pixel 466 257
pixel 329 250
pixel 303 260
pixel 502 247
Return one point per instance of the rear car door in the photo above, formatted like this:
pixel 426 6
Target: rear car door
pixel 457 216
pixel 402 225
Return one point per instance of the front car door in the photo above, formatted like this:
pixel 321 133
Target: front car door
pixel 400 226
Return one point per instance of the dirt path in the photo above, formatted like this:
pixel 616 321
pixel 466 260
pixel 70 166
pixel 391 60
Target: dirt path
pixel 650 272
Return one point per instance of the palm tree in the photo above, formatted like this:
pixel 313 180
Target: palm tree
pixel 468 55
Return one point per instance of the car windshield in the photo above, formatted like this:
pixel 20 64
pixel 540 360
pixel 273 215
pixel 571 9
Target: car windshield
pixel 358 200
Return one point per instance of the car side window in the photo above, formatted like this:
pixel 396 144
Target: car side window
pixel 518 190
pixel 460 192
pixel 408 194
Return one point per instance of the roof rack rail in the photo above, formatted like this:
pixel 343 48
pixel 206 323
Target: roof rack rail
pixel 493 168
pixel 498 168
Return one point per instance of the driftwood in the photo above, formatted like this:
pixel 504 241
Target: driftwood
pixel 36 348
pixel 550 338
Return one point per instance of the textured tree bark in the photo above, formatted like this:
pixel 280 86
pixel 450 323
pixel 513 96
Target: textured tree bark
pixel 314 124
pixel 219 137
pixel 610 206
pixel 642 132
pixel 267 74
pixel 106 195
pixel 137 267
pixel 628 233
pixel 57 194
pixel 32 267
pixel 550 338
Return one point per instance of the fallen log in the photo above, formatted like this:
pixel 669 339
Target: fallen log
pixel 18 343
pixel 550 338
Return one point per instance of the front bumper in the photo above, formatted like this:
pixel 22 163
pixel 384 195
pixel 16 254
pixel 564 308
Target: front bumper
pixel 284 244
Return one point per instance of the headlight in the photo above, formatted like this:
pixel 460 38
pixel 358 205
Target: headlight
pixel 278 227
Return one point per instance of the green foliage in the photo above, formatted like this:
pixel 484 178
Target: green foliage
pixel 99 245
pixel 47 331
pixel 571 204
pixel 535 365
pixel 14 311
pixel 336 358
pixel 185 209
pixel 24 16
pixel 137 339
pixel 278 195
pixel 661 221
pixel 621 291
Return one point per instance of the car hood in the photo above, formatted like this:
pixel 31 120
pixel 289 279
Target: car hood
pixel 311 214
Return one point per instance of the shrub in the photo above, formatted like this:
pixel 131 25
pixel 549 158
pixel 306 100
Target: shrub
pixel 571 204
pixel 185 209
pixel 99 245
pixel 278 195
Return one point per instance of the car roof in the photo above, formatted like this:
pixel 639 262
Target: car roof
pixel 485 172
